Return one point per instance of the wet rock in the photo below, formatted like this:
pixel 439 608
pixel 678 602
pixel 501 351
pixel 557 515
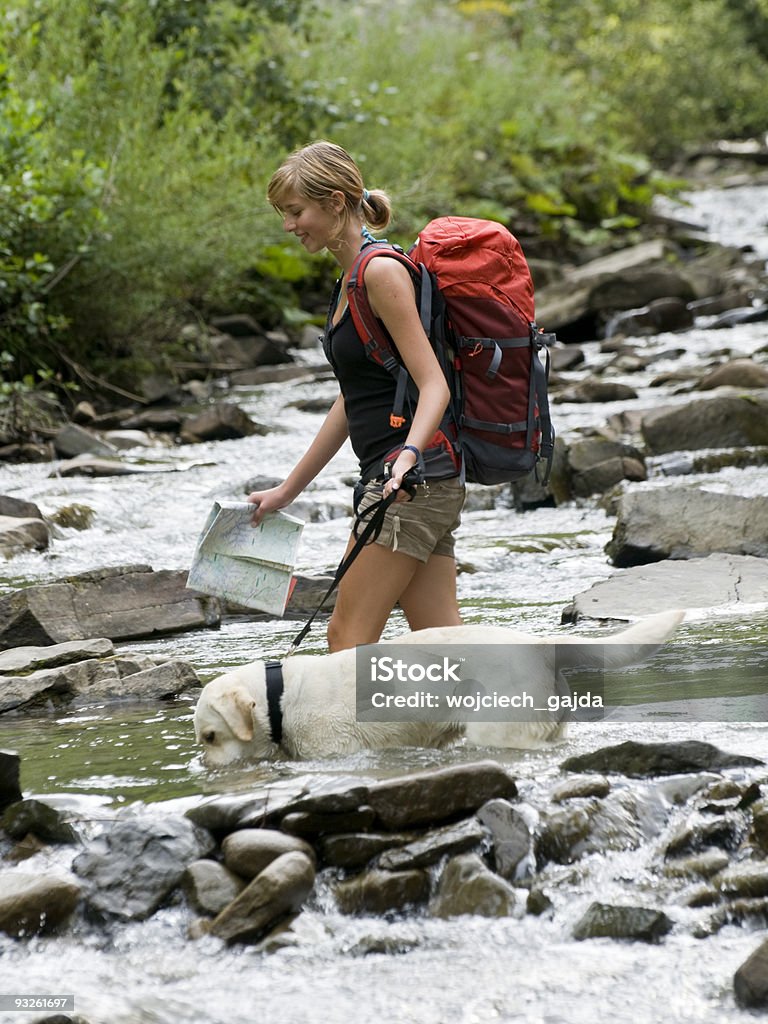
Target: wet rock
pixel 753 913
pixel 35 904
pixel 88 465
pixel 739 373
pixel 225 814
pixel 745 315
pixel 725 833
pixel 684 522
pixel 159 421
pixel 44 821
pixel 378 892
pixel 759 834
pixel 22 535
pixel 588 391
pixel 27 659
pixel 308 592
pixel 746 879
pixel 91 680
pixel 512 837
pixel 750 983
pixel 310 824
pixel 665 314
pixel 566 357
pixel 467 886
pixel 431 797
pixel 133 868
pixel 244 350
pixel 10 767
pixel 433 846
pixel 270 374
pixel 538 902
pixel 644 760
pixel 248 851
pixel 210 887
pixel 356 849
pixel 219 423
pixel 574 789
pixel 121 603
pixel 726 421
pixel 16 508
pixel 279 890
pixel 74 517
pixel 641 924
pixel 597 464
pixel 718 579
pixel 337 795
pixel 699 865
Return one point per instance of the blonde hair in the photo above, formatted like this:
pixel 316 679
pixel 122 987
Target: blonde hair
pixel 318 170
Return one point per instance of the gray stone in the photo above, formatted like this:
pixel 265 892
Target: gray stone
pixel 279 890
pixel 698 865
pixel 120 603
pixel 307 823
pixel 10 789
pixel 354 850
pixel 249 810
pixel 73 440
pixel 161 421
pixel 603 920
pixel 644 760
pixel 210 887
pixel 746 879
pixel 28 659
pixel 587 786
pixel 718 579
pixel 750 983
pixel 588 391
pixel 433 846
pixel 22 535
pixel 337 795
pixel 35 904
pixel 724 833
pixel 378 892
pixel 468 887
pixel 727 421
pixel 512 838
pixel 431 797
pixel 221 422
pixel 16 508
pixel 133 868
pixel 684 522
pixel 248 851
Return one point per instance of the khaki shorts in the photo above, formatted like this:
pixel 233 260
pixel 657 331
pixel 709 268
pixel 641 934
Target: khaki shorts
pixel 424 525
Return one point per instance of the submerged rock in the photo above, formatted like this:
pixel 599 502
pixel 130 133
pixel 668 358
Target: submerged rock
pixel 467 886
pixel 644 760
pixel 603 920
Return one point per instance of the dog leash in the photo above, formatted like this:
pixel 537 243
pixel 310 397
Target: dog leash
pixel 364 535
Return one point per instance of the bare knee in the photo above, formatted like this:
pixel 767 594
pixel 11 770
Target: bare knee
pixel 343 634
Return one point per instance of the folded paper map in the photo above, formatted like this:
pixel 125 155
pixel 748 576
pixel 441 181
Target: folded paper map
pixel 248 565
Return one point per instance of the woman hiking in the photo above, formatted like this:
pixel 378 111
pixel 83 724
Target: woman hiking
pixel 319 192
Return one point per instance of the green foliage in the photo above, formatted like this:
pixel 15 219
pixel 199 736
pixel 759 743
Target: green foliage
pixel 132 195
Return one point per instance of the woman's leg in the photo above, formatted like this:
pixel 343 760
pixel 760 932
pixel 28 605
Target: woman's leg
pixel 430 597
pixel 369 591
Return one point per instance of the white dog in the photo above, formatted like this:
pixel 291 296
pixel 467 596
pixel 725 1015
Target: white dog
pixel 316 708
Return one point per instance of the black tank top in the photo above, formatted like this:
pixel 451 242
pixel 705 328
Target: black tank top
pixel 368 390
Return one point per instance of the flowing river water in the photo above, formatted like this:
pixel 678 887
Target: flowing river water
pixel 133 758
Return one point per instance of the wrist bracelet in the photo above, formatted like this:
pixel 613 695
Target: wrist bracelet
pixel 411 448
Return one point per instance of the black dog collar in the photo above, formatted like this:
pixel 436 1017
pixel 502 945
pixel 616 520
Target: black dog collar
pixel 274 678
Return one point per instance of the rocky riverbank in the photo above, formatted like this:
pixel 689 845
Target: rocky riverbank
pixel 456 841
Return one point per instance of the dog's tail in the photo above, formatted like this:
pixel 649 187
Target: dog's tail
pixel 617 650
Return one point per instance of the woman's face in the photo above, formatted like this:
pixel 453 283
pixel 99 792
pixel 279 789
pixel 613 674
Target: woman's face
pixel 314 225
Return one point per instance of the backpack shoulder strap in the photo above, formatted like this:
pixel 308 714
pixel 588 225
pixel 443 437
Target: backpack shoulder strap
pixel 377 344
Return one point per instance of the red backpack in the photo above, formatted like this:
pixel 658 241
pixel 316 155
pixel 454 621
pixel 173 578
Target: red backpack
pixel 475 297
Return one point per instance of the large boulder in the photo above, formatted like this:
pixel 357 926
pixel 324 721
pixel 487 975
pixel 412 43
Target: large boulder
pixel 725 421
pixel 133 868
pixel 121 603
pixel 685 522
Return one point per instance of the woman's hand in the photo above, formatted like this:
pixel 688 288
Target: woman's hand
pixel 405 460
pixel 269 501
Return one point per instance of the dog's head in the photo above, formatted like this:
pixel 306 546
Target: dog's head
pixel 231 721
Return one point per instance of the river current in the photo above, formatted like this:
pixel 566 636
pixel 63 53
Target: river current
pixel 521 569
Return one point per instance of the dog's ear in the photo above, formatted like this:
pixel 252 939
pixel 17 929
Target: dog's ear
pixel 236 708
